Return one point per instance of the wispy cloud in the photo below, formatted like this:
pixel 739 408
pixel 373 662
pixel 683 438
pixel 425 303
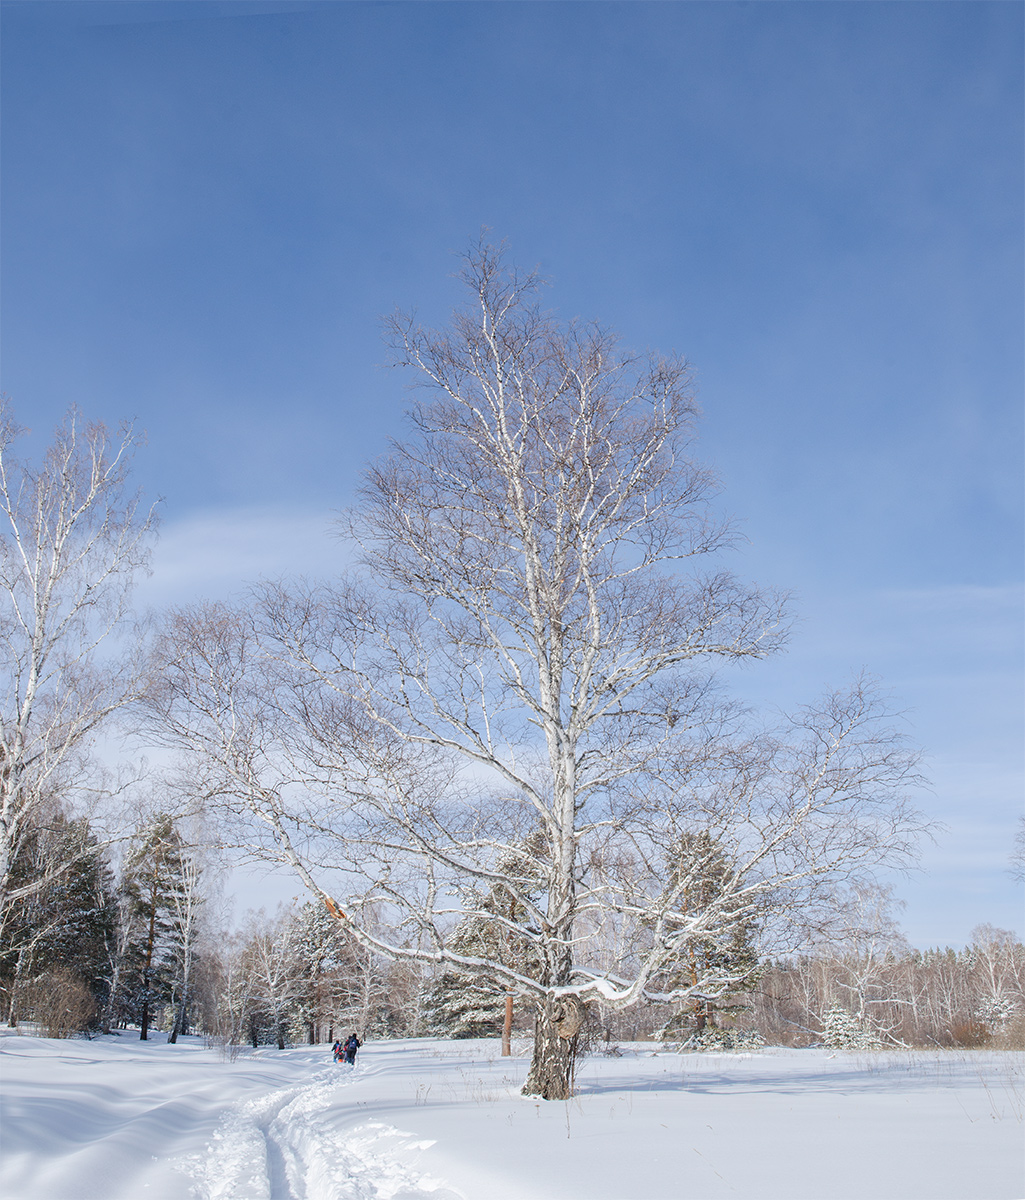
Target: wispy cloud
pixel 216 554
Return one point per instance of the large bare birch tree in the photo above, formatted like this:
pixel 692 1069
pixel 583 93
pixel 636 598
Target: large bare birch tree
pixel 520 673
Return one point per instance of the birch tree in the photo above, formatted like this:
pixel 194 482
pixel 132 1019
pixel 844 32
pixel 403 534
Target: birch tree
pixel 524 658
pixel 186 904
pixel 274 967
pixel 72 541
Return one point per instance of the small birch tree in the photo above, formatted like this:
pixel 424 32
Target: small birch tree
pixel 185 904
pixel 273 964
pixel 72 540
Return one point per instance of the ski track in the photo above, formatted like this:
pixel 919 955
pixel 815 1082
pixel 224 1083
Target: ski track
pixel 283 1145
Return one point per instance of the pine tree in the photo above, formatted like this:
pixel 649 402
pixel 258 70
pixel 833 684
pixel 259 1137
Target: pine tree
pixel 463 1004
pixel 317 941
pixel 696 873
pixel 152 878
pixel 842 1030
pixel 68 924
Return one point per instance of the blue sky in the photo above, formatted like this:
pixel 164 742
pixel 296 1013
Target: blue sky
pixel 208 206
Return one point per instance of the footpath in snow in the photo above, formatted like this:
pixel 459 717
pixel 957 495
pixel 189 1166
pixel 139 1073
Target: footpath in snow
pixel 119 1119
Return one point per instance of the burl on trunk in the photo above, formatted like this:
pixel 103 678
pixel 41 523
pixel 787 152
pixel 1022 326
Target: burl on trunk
pixel 556 1029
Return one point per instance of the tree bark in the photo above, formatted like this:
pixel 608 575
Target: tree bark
pixel 180 1025
pixel 556 1030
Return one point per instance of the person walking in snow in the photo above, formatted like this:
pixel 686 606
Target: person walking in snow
pixel 336 1052
pixel 352 1044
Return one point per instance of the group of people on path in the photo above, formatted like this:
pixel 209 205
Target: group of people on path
pixel 346 1051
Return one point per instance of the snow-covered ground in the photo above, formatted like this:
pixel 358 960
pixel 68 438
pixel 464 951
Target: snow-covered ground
pixel 119 1119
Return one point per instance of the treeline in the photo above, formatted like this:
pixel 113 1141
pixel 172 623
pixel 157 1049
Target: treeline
pixel 861 999
pixel 94 948
pixel 99 949
pixel 974 996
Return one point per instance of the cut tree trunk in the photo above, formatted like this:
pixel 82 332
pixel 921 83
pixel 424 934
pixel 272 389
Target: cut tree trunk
pixel 507 1027
pixel 556 1030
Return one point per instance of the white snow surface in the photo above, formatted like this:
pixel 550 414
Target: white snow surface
pixel 119 1119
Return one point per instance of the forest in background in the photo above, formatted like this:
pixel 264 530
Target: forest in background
pixel 143 947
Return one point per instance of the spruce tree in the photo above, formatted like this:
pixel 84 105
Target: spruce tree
pixel 317 937
pixel 697 870
pixel 152 874
pixel 67 924
pixel 464 1004
pixel 461 1004
pixel 843 1030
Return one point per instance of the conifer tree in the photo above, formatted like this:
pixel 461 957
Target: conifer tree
pixel 316 936
pixel 464 1004
pixel 843 1030
pixel 152 877
pixel 68 923
pixel 699 872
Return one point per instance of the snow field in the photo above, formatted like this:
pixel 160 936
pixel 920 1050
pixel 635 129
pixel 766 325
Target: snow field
pixel 117 1119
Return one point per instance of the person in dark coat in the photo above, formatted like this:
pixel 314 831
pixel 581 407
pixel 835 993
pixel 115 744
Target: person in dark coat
pixel 352 1044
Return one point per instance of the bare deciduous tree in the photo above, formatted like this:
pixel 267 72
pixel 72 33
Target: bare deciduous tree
pixel 186 905
pixel 273 964
pixel 72 540
pixel 522 673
